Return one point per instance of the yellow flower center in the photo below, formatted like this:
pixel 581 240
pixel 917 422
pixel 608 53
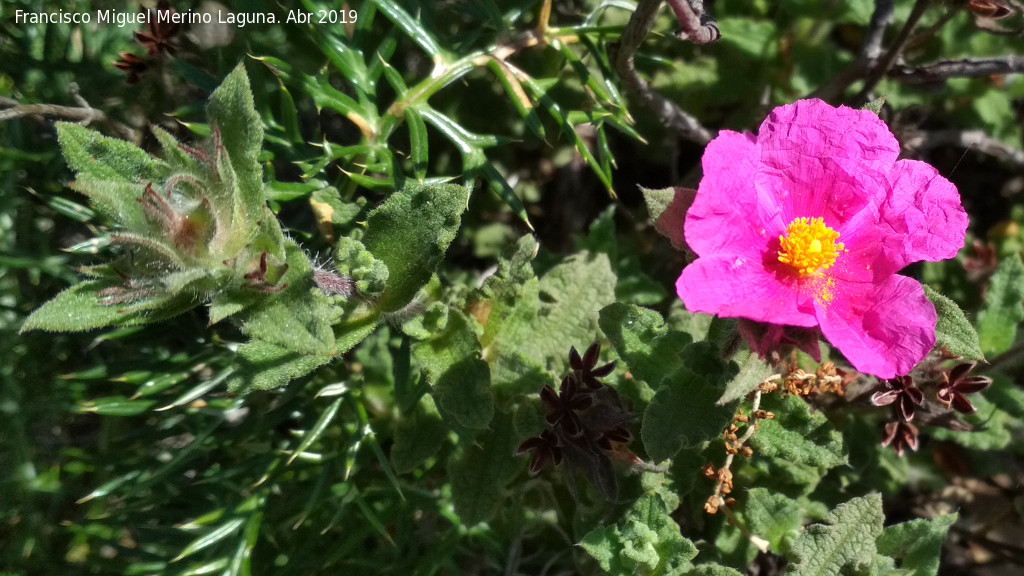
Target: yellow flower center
pixel 809 246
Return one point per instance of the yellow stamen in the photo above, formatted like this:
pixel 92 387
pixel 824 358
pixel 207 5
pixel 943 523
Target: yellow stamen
pixel 809 247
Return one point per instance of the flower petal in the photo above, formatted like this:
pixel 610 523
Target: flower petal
pixel 823 162
pixel 720 219
pixel 922 218
pixel 736 287
pixel 883 329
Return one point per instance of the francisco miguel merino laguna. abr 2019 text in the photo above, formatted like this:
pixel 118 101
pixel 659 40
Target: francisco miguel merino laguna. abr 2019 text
pixel 122 19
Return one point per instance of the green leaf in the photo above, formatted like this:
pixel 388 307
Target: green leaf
pixel 667 208
pixel 97 157
pixel 683 414
pixel 517 96
pixel 640 337
pixel 647 541
pixel 875 105
pixel 797 440
pixel 917 543
pixel 712 570
pixel 571 296
pixel 410 26
pixel 845 542
pixel 419 152
pixel 297 318
pixel 753 372
pixel 774 517
pixel 117 406
pixel 1002 312
pixel 232 111
pixel 116 200
pixel 78 308
pixel 954 331
pixel 481 469
pixel 209 539
pixel 264 366
pixel 410 233
pixel 460 381
pixel 331 211
pixel 318 429
pixel 419 435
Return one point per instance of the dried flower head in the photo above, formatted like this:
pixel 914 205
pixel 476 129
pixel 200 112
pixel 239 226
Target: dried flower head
pixel 901 435
pixel 545 447
pixel 158 39
pixel 903 393
pixel 958 384
pixel 584 369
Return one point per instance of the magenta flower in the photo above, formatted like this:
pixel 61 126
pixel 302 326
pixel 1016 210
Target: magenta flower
pixel 807 223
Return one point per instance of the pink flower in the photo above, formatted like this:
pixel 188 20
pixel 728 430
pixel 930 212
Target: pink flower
pixel 807 223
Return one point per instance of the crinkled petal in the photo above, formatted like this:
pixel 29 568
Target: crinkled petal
pixel 922 218
pixel 822 161
pixel 883 329
pixel 721 219
pixel 737 287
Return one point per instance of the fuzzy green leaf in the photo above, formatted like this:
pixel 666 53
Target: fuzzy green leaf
pixel 481 469
pixel 296 319
pixel 647 541
pixel 571 296
pixel 752 372
pixel 410 233
pixel 845 542
pixel 774 517
pixel 78 308
pixel 97 157
pixel 683 414
pixel 1002 312
pixel 460 381
pixel 875 105
pixel 419 436
pixel 712 570
pixel 501 300
pixel 917 543
pixel 798 438
pixel 643 341
pixel 954 330
pixel 264 366
pixel 116 200
pixel 232 111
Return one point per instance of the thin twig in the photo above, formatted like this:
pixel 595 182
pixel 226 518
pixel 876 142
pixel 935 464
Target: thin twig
pixel 870 50
pixel 969 139
pixel 83 113
pixel 966 68
pixel 879 70
pixel 622 54
pixel 718 499
pixel 695 24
